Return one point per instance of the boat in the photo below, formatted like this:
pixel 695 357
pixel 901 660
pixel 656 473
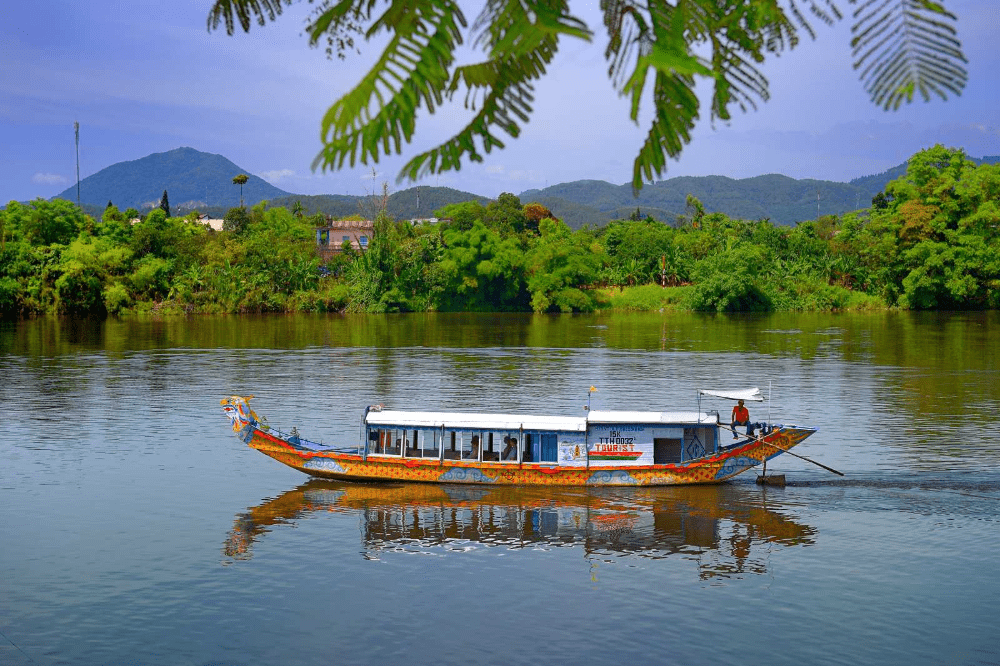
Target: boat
pixel 601 448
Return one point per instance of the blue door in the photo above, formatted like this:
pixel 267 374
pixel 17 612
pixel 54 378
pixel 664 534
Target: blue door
pixel 549 449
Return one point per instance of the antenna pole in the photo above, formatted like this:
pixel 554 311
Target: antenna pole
pixel 76 129
pixel 769 402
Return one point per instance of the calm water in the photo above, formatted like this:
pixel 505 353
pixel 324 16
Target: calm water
pixel 136 529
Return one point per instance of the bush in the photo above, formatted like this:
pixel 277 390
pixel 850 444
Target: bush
pixel 116 299
pixel 645 298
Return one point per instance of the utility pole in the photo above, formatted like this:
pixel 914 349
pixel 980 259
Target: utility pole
pixel 76 129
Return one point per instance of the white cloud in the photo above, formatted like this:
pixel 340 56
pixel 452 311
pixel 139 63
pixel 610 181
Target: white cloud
pixel 48 179
pixel 276 175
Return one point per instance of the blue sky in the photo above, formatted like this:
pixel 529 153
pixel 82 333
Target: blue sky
pixel 146 76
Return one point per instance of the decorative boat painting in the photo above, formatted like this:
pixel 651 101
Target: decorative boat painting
pixel 603 448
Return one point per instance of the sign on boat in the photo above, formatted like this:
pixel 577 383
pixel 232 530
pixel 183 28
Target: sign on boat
pixel 602 448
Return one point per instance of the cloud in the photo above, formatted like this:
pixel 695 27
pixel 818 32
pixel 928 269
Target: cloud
pixel 276 175
pixel 48 179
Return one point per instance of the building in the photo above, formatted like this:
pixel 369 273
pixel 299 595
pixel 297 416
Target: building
pixel 330 238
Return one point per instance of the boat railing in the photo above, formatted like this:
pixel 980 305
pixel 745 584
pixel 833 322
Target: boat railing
pixel 295 439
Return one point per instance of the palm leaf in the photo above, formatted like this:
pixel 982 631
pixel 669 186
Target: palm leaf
pixel 379 114
pixel 902 48
pixel 500 87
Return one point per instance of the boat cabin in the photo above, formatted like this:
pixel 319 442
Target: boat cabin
pixel 600 438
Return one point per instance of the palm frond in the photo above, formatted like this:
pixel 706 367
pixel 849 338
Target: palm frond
pixel 904 47
pixel 676 109
pixel 379 114
pixel 500 87
pixel 244 12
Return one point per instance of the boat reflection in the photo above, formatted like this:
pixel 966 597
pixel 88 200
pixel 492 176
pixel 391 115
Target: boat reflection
pixel 728 529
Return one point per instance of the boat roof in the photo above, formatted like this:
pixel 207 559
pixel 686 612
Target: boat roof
pixel 463 421
pixel 467 421
pixel 685 418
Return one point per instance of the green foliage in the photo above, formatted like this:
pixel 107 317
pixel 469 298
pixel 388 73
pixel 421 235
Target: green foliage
pixel 559 264
pixel 236 221
pixel 732 281
pixel 463 215
pixel 9 295
pixel 165 204
pixel 935 244
pixel 480 271
pixel 900 46
pixel 44 222
pixel 116 299
pixel 644 298
pixel 505 215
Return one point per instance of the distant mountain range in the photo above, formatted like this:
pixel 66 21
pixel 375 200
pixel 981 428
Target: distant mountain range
pixel 202 181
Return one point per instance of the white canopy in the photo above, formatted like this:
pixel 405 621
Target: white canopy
pixel 752 394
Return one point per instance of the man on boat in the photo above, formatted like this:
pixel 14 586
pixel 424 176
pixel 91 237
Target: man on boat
pixel 741 416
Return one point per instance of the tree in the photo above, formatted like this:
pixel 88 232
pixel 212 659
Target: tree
pixel 241 180
pixel 165 204
pixel 901 47
pixel 236 221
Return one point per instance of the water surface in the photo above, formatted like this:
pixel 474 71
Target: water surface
pixel 135 529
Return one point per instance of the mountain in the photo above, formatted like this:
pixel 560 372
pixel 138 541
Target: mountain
pixel 781 199
pixel 412 203
pixel 203 181
pixel 192 179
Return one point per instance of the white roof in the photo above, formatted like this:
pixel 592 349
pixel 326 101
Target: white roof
pixel 476 421
pixel 652 417
pixel 752 394
pixel 463 421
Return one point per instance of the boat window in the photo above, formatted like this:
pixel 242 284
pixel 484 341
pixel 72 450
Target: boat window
pixel 429 443
pixel 389 441
pixel 529 452
pixel 666 451
pixel 449 441
pixel 412 444
pixel 507 446
pixel 471 445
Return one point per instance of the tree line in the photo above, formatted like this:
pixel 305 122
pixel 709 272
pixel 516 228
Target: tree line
pixel 929 241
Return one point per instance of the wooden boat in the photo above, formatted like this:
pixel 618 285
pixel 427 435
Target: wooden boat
pixel 603 448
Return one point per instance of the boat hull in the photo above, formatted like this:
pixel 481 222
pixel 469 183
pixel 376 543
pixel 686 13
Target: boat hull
pixel 347 466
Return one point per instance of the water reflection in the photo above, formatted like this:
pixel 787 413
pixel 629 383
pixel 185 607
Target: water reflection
pixel 728 529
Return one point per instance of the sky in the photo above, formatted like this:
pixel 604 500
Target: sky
pixel 147 76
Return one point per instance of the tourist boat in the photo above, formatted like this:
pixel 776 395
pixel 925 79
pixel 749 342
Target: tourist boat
pixel 602 448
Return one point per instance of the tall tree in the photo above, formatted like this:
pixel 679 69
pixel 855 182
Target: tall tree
pixel 658 47
pixel 241 180
pixel 165 204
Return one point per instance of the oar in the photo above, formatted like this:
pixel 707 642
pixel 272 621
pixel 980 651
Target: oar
pixel 761 441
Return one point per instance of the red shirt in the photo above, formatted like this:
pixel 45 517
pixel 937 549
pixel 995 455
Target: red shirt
pixel 740 413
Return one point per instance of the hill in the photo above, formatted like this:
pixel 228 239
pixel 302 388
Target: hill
pixel 781 199
pixel 412 203
pixel 203 181
pixel 192 179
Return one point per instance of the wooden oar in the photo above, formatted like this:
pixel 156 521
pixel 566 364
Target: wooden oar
pixel 760 440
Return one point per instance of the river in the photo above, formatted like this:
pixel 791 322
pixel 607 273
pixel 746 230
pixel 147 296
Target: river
pixel 136 529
